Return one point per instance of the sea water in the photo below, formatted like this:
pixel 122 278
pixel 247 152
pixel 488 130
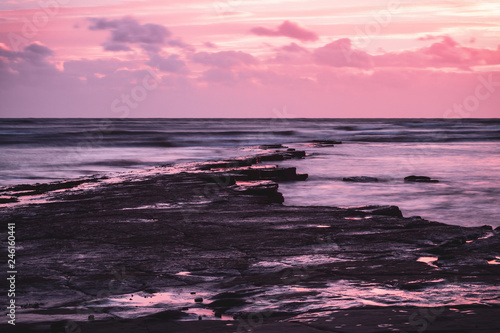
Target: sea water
pixel 463 154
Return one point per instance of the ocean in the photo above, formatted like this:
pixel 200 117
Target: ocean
pixel 463 154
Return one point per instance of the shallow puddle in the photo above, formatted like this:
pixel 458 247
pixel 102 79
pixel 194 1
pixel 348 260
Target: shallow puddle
pixel 428 260
pixel 313 301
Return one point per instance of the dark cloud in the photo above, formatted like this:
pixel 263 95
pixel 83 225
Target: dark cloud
pixel 128 31
pixel 8 54
pixel 42 51
pixel 35 54
pixel 28 67
pixel 102 23
pixel 287 29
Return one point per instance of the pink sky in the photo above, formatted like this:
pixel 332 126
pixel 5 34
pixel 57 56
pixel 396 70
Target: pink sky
pixel 249 58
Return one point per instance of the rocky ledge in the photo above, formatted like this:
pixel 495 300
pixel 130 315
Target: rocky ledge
pixel 215 250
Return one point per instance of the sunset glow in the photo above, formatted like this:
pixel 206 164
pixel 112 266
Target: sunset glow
pixel 246 58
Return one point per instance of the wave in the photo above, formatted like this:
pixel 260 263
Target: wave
pixel 238 132
pixel 118 163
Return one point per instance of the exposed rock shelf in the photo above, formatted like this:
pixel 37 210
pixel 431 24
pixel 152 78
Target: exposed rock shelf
pixel 221 238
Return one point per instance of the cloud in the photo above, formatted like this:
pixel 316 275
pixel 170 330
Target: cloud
pixel 128 31
pixel 218 75
pixel 29 67
pixel 210 45
pixel 34 53
pixel 115 47
pixel 292 54
pixel 287 29
pixel 429 37
pixel 38 49
pixel 85 67
pixel 151 48
pixel 172 64
pixel 180 44
pixel 446 53
pixel 224 59
pixel 341 54
pixel 293 48
pixel 4 52
pixel 37 54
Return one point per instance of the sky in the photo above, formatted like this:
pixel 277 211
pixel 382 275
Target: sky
pixel 250 58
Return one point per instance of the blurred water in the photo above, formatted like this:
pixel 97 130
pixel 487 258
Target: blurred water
pixel 468 192
pixel 463 154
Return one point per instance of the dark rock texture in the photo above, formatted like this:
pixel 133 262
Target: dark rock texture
pixel 361 179
pixel 8 199
pixel 324 143
pixel 272 146
pixel 328 142
pixel 382 210
pixel 420 179
pixel 257 264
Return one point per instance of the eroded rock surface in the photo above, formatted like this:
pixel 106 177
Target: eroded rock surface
pixel 163 242
pixel 420 179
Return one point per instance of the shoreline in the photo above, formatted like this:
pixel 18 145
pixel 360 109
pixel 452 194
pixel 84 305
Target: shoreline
pixel 224 229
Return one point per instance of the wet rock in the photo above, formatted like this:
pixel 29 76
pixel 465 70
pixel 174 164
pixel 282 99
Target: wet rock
pixel 236 294
pixel 272 146
pixel 417 285
pixel 28 189
pixel 227 303
pixel 168 315
pixel 228 164
pixel 280 156
pixel 271 173
pixel 420 179
pixel 8 199
pixel 268 189
pixel 361 179
pixel 225 241
pixel 325 143
pixel 223 179
pixel 256 188
pixel 59 327
pixel 382 210
pixel 248 161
